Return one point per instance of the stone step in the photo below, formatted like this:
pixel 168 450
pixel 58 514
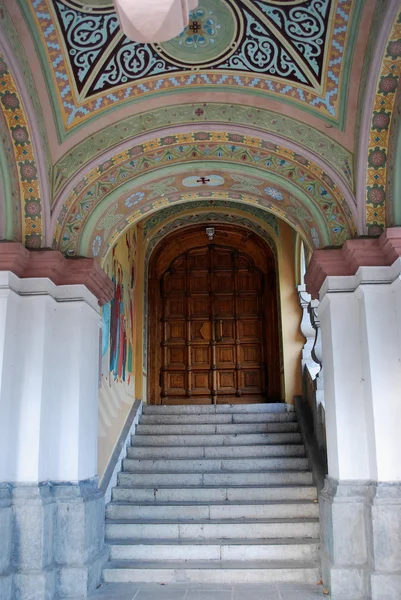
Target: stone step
pixel 230 572
pixel 219 479
pixel 152 511
pixel 199 429
pixel 205 465
pixel 247 550
pixel 219 408
pixel 279 450
pixel 219 418
pixel 216 494
pixel 208 529
pixel 213 494
pixel 245 439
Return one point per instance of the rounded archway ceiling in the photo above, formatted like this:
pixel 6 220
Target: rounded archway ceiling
pixel 296 50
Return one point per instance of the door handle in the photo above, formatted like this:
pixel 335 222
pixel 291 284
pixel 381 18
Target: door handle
pixel 219 332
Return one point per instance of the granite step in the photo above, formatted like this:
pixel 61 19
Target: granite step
pixel 218 419
pixel 224 428
pixel 210 529
pixel 206 465
pixel 219 478
pixel 238 439
pixel 223 549
pixel 217 494
pixel 176 452
pixel 214 494
pixel 227 510
pixel 186 409
pixel 230 572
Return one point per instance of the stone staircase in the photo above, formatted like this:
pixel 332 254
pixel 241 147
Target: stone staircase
pixel 216 494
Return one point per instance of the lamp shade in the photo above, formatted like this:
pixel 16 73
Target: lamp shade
pixel 152 21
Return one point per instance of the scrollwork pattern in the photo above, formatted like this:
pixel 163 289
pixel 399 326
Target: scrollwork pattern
pixel 261 53
pixel 305 26
pixel 131 61
pixel 86 35
pixel 280 39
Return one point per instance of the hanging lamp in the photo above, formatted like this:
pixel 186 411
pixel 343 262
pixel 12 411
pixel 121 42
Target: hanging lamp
pixel 153 21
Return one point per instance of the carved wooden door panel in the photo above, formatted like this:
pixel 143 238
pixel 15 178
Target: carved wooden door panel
pixel 212 346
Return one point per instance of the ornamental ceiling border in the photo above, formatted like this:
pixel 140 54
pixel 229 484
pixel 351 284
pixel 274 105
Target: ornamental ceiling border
pixel 10 202
pixel 72 107
pixel 393 190
pixel 13 41
pixel 14 113
pixel 95 241
pixel 267 220
pixel 127 204
pixel 125 166
pixel 379 135
pixel 157 220
pixel 339 158
pixel 374 35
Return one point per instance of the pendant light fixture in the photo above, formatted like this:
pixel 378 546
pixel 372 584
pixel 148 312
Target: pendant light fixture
pixel 153 21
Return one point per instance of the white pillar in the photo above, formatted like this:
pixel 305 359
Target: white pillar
pixel 360 318
pixel 380 321
pixel 49 358
pixel 51 510
pixel 361 345
pixel 347 443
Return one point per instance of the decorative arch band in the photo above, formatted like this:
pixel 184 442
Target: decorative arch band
pixel 378 204
pixel 125 185
pixel 30 210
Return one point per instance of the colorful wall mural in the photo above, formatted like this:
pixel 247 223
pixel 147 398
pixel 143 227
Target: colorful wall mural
pixel 117 316
pixel 116 393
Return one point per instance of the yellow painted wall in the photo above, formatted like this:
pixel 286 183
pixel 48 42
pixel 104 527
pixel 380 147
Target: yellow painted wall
pixel 291 314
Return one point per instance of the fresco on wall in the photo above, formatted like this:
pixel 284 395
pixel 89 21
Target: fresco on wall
pixel 117 316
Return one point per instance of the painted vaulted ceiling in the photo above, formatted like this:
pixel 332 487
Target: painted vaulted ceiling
pixel 288 107
pixel 299 51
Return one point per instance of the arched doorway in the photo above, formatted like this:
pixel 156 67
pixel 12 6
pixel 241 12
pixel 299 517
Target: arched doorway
pixel 213 318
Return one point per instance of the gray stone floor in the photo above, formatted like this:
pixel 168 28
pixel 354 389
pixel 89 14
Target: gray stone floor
pixel 183 591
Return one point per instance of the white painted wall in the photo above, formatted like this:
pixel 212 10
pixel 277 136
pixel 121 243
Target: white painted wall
pixel 361 345
pixel 49 349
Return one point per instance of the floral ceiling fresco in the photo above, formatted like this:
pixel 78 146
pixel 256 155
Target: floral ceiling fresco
pixel 298 51
pixel 234 117
pixel 131 184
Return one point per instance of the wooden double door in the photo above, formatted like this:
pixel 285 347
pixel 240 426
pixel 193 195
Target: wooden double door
pixel 213 328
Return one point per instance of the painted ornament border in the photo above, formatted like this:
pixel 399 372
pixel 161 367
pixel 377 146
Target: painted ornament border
pixel 197 114
pixel 379 136
pixel 144 158
pixel 12 107
pixel 215 199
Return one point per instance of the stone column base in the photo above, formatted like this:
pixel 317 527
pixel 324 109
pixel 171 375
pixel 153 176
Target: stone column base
pixel 386 532
pixel 57 540
pixel 79 549
pixel 5 544
pixel 361 539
